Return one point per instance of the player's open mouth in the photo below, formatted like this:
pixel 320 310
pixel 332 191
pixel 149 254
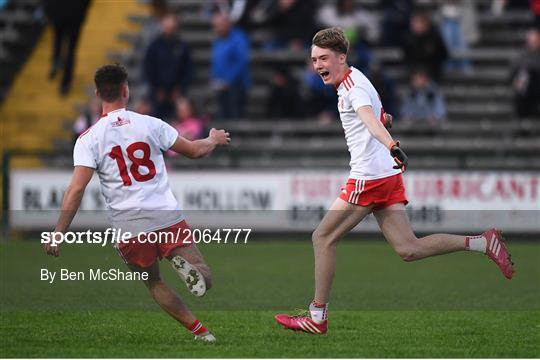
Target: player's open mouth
pixel 325 75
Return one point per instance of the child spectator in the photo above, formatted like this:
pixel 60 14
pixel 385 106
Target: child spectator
pixel 188 124
pixel 423 102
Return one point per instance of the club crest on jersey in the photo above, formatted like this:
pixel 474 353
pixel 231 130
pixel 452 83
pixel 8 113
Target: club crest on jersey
pixel 120 122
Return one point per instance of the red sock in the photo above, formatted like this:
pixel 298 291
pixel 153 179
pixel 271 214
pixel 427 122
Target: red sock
pixel 197 328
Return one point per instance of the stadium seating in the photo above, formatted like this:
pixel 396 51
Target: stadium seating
pixel 482 131
pixel 34 116
pixel 19 30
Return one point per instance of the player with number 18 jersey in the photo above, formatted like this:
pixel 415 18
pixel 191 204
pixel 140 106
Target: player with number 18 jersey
pixel 124 137
pixel 126 150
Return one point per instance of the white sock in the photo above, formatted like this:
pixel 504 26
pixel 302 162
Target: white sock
pixel 476 243
pixel 318 313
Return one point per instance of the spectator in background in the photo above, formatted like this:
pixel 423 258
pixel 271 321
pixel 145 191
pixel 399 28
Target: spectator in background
pixel 67 17
pixel 361 27
pixel 352 19
pixel 239 11
pixel 292 22
pixel 459 29
pixel 319 99
pixel 89 116
pixel 423 102
pixel 498 7
pixel 526 77
pixel 396 20
pixel 384 85
pixel 167 68
pixel 152 28
pixel 143 106
pixel 284 100
pixel 230 67
pixel 424 47
pixel 188 124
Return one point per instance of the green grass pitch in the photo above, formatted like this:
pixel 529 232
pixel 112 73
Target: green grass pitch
pixel 457 305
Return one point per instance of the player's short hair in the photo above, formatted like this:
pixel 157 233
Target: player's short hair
pixel 332 38
pixel 109 80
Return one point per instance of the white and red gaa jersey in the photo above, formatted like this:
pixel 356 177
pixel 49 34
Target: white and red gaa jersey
pixel 126 149
pixel 369 158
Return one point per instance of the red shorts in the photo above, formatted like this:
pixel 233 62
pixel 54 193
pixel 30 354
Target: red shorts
pixel 380 192
pixel 143 251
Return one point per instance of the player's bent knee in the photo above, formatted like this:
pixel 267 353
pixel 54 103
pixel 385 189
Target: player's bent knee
pixel 153 284
pixel 152 280
pixel 320 240
pixel 406 253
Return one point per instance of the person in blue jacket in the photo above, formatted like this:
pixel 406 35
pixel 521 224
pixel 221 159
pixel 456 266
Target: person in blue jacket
pixel 230 67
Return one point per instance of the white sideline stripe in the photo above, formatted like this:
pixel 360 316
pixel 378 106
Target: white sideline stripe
pixel 498 249
pixel 302 325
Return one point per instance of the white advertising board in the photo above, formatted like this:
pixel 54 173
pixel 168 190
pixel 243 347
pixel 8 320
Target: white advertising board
pixel 295 201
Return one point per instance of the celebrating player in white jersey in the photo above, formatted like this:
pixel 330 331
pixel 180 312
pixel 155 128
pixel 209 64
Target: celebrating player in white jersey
pixel 374 186
pixel 126 150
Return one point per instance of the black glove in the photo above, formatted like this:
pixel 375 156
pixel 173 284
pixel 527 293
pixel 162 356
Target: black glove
pixel 399 156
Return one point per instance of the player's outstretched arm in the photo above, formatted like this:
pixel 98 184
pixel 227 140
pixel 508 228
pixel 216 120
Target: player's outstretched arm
pixel 375 127
pixel 379 132
pixel 71 202
pixel 200 148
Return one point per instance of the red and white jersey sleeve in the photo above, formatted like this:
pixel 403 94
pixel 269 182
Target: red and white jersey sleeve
pixel 126 149
pixel 82 154
pixel 369 158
